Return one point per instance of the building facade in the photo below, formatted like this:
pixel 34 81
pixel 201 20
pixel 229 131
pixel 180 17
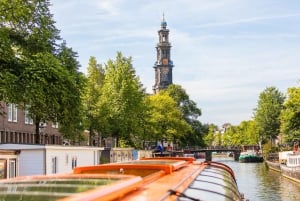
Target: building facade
pixel 16 126
pixel 163 65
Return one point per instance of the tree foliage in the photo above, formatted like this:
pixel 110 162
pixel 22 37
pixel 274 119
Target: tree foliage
pixel 210 137
pixel 166 118
pixel 267 113
pixel 122 99
pixel 249 133
pixel 95 78
pixel 243 134
pixel 35 71
pixel 190 113
pixel 70 114
pixel 188 107
pixel 290 115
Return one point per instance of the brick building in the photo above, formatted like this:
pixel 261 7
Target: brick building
pixel 17 127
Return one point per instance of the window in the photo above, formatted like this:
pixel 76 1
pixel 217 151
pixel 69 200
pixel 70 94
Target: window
pixel 12 168
pixel 74 162
pixel 54 165
pixel 2 169
pixel 55 125
pixel 67 159
pixel 12 112
pixel 28 119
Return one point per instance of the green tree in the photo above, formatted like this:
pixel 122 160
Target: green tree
pixel 37 73
pixel 71 115
pixel 188 107
pixel 122 100
pixel 266 115
pixel 233 136
pixel 95 79
pixel 190 113
pixel 26 28
pixel 166 118
pixel 42 83
pixel 290 115
pixel 248 133
pixel 210 137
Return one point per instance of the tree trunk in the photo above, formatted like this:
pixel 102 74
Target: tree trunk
pixel 37 132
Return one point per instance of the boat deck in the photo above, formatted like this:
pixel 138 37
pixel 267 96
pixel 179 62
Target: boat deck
pixel 178 180
pixel 157 179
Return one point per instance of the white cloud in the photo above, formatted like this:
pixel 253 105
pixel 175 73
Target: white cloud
pixel 248 20
pixel 109 6
pixel 225 52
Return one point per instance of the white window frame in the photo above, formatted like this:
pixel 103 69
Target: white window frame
pixel 12 112
pixel 54 165
pixel 12 168
pixel 28 119
pixel 54 124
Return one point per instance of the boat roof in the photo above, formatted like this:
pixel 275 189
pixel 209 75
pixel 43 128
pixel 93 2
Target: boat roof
pixel 160 179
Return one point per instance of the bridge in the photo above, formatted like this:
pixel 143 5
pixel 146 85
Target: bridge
pixel 219 149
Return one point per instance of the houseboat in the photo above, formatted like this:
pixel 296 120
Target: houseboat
pixel 26 159
pixel 272 161
pixel 250 157
pixel 251 154
pixel 291 167
pixel 157 179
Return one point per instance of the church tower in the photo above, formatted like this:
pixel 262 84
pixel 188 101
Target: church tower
pixel 163 65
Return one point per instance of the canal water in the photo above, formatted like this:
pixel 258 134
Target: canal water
pixel 258 183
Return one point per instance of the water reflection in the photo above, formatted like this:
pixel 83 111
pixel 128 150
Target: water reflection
pixel 260 184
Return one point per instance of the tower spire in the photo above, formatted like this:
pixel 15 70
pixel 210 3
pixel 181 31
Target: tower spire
pixel 163 24
pixel 163 65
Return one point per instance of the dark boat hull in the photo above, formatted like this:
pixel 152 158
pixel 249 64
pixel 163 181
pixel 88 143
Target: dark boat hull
pixel 251 159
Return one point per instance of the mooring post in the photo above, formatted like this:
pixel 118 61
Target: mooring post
pixel 208 155
pixel 236 154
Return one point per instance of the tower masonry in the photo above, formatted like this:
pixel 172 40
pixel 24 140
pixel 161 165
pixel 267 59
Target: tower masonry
pixel 163 65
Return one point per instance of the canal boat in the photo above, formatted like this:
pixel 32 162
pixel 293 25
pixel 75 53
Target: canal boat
pixel 163 179
pixel 250 157
pixel 273 165
pixel 272 161
pixel 251 154
pixel 291 168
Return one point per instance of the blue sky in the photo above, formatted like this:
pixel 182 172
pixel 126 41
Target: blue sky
pixel 225 52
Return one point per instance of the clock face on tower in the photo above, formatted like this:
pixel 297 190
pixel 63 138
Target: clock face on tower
pixel 165 61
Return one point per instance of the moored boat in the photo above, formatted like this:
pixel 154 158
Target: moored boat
pixel 292 171
pixel 274 165
pixel 250 157
pixel 291 167
pixel 272 161
pixel 166 178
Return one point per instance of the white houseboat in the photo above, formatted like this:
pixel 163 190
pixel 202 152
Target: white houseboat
pixel 291 167
pixel 25 160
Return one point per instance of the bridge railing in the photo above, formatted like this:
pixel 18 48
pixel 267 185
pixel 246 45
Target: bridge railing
pixel 220 148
